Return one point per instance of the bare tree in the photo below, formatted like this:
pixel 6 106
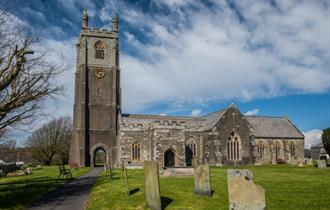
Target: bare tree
pixel 26 78
pixel 51 139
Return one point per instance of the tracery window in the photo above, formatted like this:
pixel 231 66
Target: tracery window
pixel 261 150
pixel 192 148
pixel 233 147
pixel 136 151
pixel 277 151
pixel 293 149
pixel 100 49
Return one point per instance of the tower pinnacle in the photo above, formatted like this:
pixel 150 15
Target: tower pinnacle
pixel 115 23
pixel 85 19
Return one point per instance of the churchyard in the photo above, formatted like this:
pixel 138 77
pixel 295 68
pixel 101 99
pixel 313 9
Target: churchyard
pixel 19 192
pixel 286 187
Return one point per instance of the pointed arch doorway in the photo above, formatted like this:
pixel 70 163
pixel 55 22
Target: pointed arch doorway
pixel 100 157
pixel 169 158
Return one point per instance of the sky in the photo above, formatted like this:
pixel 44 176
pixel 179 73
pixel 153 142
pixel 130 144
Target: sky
pixel 188 57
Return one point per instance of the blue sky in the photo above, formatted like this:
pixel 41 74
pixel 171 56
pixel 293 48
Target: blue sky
pixel 181 57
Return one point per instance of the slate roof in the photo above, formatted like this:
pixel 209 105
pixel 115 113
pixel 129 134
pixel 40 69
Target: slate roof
pixel 147 119
pixel 273 127
pixel 151 118
pixel 263 126
pixel 212 118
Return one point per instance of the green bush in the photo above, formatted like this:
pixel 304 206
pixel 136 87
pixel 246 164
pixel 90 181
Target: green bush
pixel 326 140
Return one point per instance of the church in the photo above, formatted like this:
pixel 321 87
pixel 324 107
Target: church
pixel 225 137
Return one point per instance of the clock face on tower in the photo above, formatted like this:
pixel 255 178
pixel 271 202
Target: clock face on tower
pixel 99 72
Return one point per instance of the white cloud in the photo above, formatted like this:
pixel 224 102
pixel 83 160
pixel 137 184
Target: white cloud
pixel 62 52
pixel 196 112
pixel 75 6
pixel 210 54
pixel 312 137
pixel 199 54
pixel 252 112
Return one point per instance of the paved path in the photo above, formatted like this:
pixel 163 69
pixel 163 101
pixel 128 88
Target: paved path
pixel 72 196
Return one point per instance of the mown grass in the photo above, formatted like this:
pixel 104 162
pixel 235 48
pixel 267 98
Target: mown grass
pixel 21 191
pixel 287 187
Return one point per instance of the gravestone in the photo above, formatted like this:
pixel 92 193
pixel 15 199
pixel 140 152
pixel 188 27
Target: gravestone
pixel 151 177
pixel 310 162
pixel 321 163
pixel 243 193
pixel 194 162
pixel 126 180
pixel 202 180
pixel 293 162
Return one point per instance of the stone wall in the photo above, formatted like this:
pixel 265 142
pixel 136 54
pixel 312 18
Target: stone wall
pixel 216 141
pixel 155 138
pixel 284 156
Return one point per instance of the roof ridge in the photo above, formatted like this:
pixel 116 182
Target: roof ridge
pixel 211 113
pixel 266 116
pixel 158 116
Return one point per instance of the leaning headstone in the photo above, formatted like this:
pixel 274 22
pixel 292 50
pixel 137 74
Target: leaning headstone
pixel 321 163
pixel 202 180
pixel 151 177
pixel 243 193
pixel 122 165
pixel 194 162
pixel 293 162
pixel 126 180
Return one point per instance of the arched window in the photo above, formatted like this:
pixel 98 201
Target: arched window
pixel 100 49
pixel 192 148
pixel 191 151
pixel 277 151
pixel 261 150
pixel 293 149
pixel 136 151
pixel 233 147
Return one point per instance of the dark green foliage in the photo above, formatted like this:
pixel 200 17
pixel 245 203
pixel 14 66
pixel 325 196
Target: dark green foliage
pixel 326 139
pixel 7 168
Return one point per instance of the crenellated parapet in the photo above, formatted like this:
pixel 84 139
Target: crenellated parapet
pixel 147 122
pixel 124 126
pixel 99 31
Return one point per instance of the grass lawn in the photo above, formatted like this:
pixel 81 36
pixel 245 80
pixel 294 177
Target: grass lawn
pixel 21 191
pixel 287 187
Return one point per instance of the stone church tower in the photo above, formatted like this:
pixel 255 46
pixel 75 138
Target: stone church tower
pixel 97 94
pixel 224 137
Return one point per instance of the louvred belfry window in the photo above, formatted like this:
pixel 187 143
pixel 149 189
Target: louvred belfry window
pixel 100 48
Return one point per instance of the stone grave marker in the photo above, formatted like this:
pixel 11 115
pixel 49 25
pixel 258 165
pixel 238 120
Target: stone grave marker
pixel 292 162
pixel 243 193
pixel 151 177
pixel 202 180
pixel 126 180
pixel 194 162
pixel 310 162
pixel 321 163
